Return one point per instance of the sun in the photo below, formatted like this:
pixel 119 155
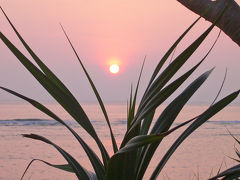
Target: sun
pixel 114 68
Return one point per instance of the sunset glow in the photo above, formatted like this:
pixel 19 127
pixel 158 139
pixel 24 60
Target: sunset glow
pixel 123 74
pixel 114 68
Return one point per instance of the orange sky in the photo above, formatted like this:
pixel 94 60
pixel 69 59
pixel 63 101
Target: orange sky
pixel 101 30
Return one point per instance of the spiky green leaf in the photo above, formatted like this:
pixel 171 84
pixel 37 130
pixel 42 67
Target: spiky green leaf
pixel 67 102
pixel 211 111
pixel 114 144
pixel 96 163
pixel 80 172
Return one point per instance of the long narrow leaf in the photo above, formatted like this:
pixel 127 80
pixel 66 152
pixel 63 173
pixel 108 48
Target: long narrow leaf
pixel 60 85
pixel 65 167
pixel 173 47
pixel 161 96
pixel 157 100
pixel 147 124
pixel 129 114
pixel 114 144
pixel 228 173
pixel 96 163
pixel 168 53
pixel 136 90
pixel 80 172
pixel 154 97
pixel 174 108
pixel 220 89
pixel 133 101
pixel 167 118
pixel 43 67
pixel 171 70
pixel 129 160
pixel 69 104
pixel 115 168
pixel 211 111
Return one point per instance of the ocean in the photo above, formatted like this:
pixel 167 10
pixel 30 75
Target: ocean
pixel 199 157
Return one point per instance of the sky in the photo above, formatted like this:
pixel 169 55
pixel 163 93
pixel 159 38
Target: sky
pixel 102 31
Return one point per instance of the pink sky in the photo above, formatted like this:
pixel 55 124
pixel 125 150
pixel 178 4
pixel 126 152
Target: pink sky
pixel 101 30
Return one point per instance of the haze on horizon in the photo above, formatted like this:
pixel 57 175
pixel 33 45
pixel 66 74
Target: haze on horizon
pixel 101 31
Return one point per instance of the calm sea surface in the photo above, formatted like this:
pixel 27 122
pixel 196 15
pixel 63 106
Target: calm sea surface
pixel 198 157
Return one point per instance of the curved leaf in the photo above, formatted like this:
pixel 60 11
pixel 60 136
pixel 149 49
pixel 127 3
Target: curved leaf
pixel 65 167
pixel 166 119
pixel 231 173
pixel 54 79
pixel 67 102
pixel 154 97
pixel 159 98
pixel 168 53
pixel 43 67
pixel 116 168
pixel 211 111
pixel 114 144
pixel 80 172
pixel 96 163
pixel 171 70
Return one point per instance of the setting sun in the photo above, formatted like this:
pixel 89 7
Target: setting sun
pixel 114 68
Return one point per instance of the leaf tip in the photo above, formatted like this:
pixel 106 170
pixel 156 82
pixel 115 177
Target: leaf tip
pixel 30 136
pixel 212 69
pixel 1 9
pixel 25 135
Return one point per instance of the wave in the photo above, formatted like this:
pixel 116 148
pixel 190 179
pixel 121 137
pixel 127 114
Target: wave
pixel 224 122
pixel 47 122
pixel 28 122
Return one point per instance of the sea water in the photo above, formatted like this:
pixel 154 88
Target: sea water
pixel 198 157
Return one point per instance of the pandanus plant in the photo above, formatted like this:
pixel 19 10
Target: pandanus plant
pixel 233 173
pixel 143 136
